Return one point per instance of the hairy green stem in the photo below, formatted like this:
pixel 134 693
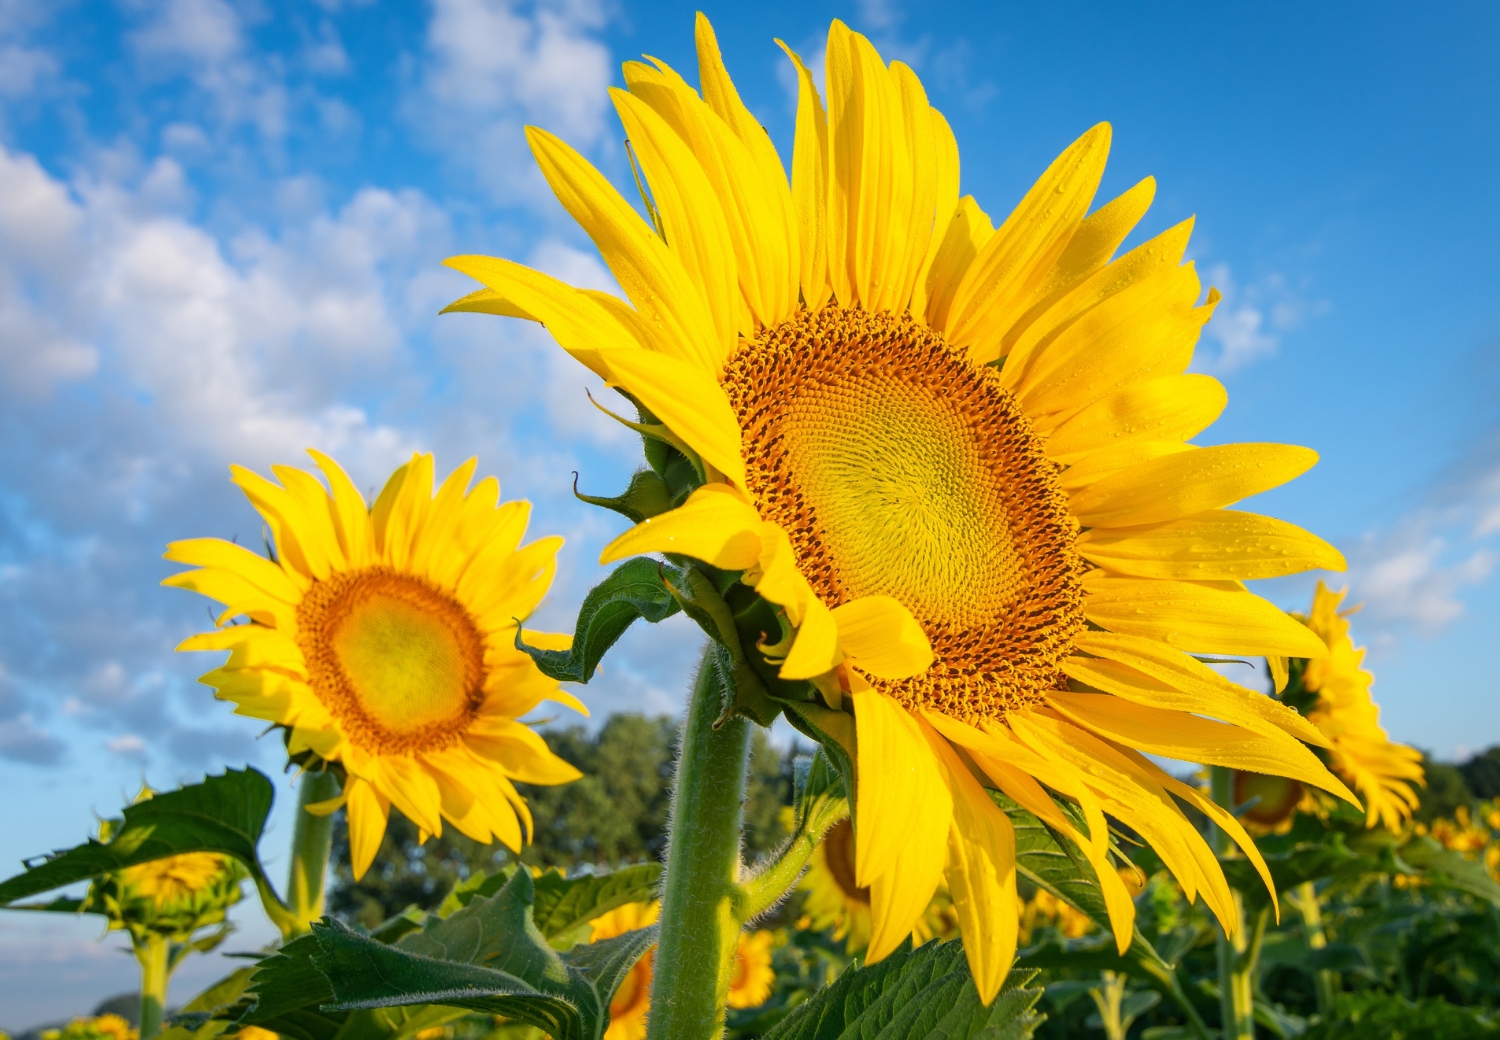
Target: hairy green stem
pixel 1236 958
pixel 152 953
pixel 312 839
pixel 701 894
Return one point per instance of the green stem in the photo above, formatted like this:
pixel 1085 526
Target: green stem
pixel 1235 960
pixel 1325 982
pixel 763 891
pixel 700 896
pixel 152 954
pixel 1108 998
pixel 312 839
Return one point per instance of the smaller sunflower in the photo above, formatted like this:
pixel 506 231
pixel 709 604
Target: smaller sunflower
pixel 1360 751
pixel 631 1002
pixel 834 900
pixel 750 985
pixel 382 638
pixel 171 881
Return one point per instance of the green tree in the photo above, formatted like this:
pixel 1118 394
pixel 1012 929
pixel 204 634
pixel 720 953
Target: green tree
pixel 1482 773
pixel 615 815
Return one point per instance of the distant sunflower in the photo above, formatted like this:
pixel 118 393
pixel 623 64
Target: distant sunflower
pixel 752 977
pixel 955 457
pixel 833 901
pixel 631 1002
pixel 383 638
pixel 1382 771
pixel 171 880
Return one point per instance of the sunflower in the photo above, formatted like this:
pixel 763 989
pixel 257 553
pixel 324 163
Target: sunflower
pixel 172 880
pixel 383 639
pixel 1381 771
pixel 631 1002
pixel 750 982
pixel 833 899
pixel 955 457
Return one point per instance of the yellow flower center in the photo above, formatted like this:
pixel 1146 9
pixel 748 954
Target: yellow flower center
pixel 898 467
pixel 166 881
pixel 396 660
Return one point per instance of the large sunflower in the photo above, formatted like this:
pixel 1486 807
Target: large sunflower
pixel 383 638
pixel 956 457
pixel 632 1000
pixel 1379 769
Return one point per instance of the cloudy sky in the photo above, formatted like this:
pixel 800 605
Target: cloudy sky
pixel 221 225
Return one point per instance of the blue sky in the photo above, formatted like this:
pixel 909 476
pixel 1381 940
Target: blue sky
pixel 220 232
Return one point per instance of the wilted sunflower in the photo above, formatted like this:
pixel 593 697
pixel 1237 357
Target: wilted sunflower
pixel 833 900
pixel 631 1002
pixel 1381 771
pixel 956 457
pixel 382 637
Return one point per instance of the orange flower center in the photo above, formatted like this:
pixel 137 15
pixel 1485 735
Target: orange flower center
pixel 898 467
pixel 396 660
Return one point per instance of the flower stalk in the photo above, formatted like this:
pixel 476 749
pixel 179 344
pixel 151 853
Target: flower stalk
pixel 153 953
pixel 701 896
pixel 312 841
pixel 1326 982
pixel 1237 952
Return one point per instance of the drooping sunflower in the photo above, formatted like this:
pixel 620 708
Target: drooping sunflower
pixel 632 1001
pixel 1381 770
pixel 834 900
pixel 955 456
pixel 752 977
pixel 382 638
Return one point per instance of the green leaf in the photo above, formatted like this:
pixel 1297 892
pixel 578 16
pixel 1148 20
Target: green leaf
pixel 922 994
pixel 223 814
pixel 1329 859
pixel 1049 861
pixel 1449 868
pixel 634 589
pixel 563 904
pixel 488 956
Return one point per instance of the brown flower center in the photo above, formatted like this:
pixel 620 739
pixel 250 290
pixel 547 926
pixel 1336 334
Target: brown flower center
pixel 898 467
pixel 396 660
pixel 838 853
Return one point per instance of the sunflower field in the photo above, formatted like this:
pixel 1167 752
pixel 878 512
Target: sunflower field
pixel 925 482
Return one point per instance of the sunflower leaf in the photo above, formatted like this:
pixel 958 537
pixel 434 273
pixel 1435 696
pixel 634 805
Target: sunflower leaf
pixel 487 956
pixel 635 589
pixel 224 814
pixel 563 903
pixel 922 994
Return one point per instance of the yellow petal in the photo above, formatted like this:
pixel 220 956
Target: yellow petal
pixel 900 797
pixel 1176 486
pixel 1221 545
pixel 1037 331
pixel 1172 408
pixel 966 233
pixel 518 748
pixel 651 276
pixel 1106 462
pixel 368 812
pixel 285 516
pixel 1199 617
pixel 691 218
pixel 351 514
pixel 816 650
pixel 810 185
pixel 1189 738
pixel 1146 330
pixel 1019 255
pixel 882 637
pixel 488 301
pixel 1145 671
pixel 1280 670
pixel 581 326
pixel 689 401
pixel 780 252
pixel 981 874
pixel 255 570
pixel 945 152
pixel 714 525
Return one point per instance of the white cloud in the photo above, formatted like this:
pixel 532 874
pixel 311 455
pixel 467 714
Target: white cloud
pixel 128 744
pixel 492 66
pixel 1249 322
pixel 1413 579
